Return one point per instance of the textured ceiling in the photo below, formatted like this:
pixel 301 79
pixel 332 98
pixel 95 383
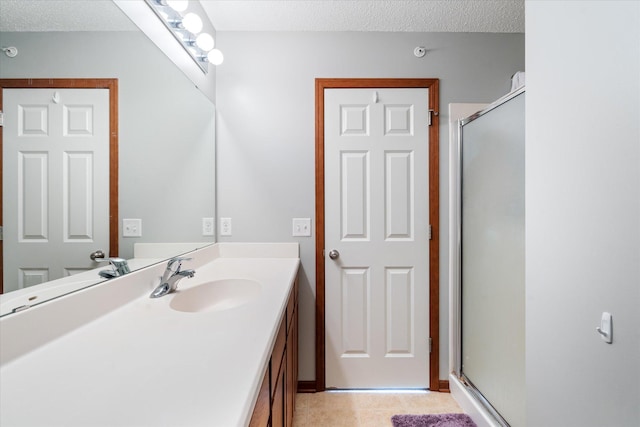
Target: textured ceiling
pixel 493 16
pixel 62 15
pixel 501 16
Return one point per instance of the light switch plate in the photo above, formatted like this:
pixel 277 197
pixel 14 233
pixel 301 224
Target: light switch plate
pixel 132 227
pixel 207 226
pixel 301 227
pixel 225 226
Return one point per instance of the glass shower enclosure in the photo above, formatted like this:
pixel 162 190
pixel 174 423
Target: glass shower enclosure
pixel 492 258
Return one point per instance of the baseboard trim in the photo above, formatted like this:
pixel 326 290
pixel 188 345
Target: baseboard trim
pixel 443 386
pixel 310 386
pixel 306 386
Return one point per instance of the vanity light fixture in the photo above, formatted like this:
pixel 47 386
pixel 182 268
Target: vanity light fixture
pixel 192 23
pixel 215 57
pixel 186 27
pixel 178 5
pixel 205 42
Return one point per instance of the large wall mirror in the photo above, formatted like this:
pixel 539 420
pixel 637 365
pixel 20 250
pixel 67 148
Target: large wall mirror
pixel 166 125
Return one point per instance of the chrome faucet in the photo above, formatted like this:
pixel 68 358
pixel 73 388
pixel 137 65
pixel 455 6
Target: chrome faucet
pixel 119 268
pixel 171 277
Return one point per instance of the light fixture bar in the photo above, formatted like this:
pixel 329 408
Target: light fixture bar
pixel 173 21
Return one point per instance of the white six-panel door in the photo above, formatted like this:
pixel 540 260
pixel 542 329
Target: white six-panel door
pixel 377 220
pixel 56 182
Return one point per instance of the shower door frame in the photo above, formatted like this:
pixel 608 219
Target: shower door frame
pixel 456 294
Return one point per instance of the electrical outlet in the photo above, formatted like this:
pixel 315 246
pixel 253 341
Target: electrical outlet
pixel 225 226
pixel 301 227
pixel 207 226
pixel 132 227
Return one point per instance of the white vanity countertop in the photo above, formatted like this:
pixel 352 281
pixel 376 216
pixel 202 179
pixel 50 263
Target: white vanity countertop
pixel 145 364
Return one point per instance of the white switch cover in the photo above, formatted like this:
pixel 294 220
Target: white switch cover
pixel 132 227
pixel 301 227
pixel 207 226
pixel 225 226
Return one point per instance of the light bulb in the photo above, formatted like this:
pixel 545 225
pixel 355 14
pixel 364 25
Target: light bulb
pixel 178 5
pixel 215 57
pixel 205 42
pixel 192 23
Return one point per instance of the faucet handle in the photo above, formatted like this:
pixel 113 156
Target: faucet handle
pixel 120 267
pixel 179 260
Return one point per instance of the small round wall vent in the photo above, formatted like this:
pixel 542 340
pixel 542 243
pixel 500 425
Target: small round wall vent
pixel 420 51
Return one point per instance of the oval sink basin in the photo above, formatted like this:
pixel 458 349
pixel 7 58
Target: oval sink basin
pixel 216 295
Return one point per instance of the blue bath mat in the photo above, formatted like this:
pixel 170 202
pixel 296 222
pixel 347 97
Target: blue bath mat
pixel 433 420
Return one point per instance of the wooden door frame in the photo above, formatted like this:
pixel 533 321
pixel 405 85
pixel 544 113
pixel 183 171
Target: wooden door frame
pixel 434 218
pixel 112 86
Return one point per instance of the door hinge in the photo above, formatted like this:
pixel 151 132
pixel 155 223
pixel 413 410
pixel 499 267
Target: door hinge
pixel 1 118
pixel 431 114
pixel 430 232
pixel 1 238
pixel 430 344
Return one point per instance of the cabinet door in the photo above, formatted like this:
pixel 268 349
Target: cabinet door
pixel 292 369
pixel 278 376
pixel 277 407
pixel 260 417
pixel 278 353
pixel 292 359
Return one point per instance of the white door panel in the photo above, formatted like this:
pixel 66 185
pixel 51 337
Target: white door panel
pixel 56 182
pixel 376 217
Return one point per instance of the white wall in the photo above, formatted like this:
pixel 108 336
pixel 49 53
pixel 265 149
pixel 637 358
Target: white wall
pixel 265 129
pixel 583 212
pixel 166 125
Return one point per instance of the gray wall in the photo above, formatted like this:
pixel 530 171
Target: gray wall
pixel 583 212
pixel 166 125
pixel 265 129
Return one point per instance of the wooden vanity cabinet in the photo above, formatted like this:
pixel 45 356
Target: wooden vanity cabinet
pixel 262 410
pixel 276 400
pixel 292 358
